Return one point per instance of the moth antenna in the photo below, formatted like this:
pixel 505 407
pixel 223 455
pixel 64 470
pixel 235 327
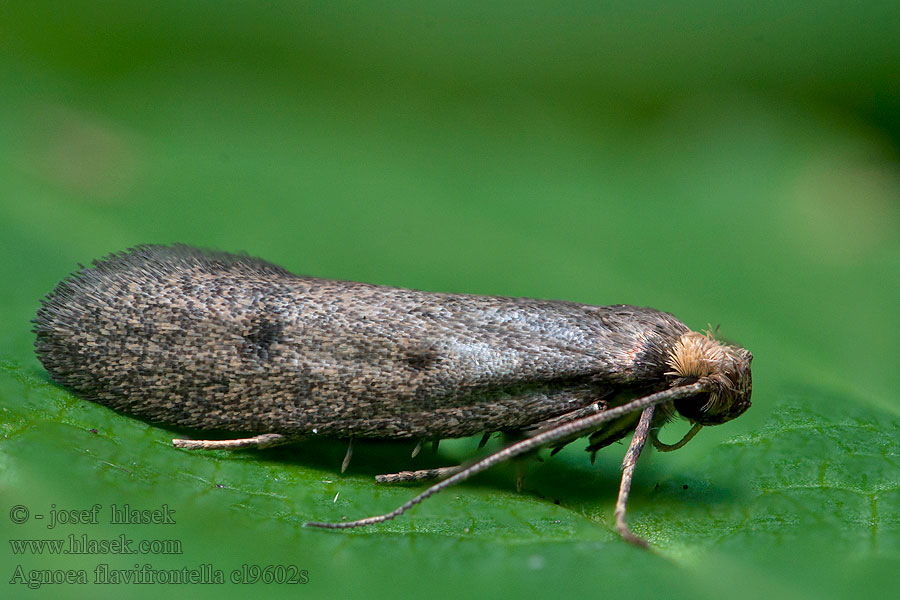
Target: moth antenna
pixel 628 464
pixel 565 430
pixel 347 457
pixel 484 439
pixel 663 447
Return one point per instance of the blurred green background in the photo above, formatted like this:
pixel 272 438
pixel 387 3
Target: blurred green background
pixel 732 163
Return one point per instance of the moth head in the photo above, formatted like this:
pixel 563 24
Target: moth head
pixel 723 369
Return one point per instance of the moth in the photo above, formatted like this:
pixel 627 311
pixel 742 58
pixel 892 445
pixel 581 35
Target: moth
pixel 211 340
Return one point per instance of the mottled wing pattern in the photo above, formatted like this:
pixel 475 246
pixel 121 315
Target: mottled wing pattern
pixel 215 340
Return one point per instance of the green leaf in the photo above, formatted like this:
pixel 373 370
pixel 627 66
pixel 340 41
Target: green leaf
pixel 733 167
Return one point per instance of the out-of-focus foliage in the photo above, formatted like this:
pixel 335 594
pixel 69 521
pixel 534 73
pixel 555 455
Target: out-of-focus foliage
pixel 734 165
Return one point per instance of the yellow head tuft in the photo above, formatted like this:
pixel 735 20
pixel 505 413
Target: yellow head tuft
pixel 725 369
pixel 696 355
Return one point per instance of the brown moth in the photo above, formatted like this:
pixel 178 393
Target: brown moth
pixel 211 340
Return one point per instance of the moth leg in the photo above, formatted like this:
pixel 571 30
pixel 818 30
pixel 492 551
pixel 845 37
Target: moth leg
pixel 417 449
pixel 611 432
pixel 634 451
pixel 425 474
pixel 541 426
pixel 422 475
pixel 348 456
pixel 581 426
pixel 264 440
pixel 521 463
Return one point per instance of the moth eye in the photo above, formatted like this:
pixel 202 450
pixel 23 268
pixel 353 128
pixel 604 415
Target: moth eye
pixel 692 408
pixel 728 405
